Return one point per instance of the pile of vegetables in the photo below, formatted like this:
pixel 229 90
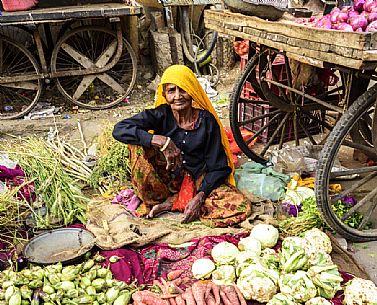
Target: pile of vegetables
pixel 112 170
pixel 12 213
pixel 361 17
pixel 85 283
pixel 306 217
pixel 301 271
pixel 63 201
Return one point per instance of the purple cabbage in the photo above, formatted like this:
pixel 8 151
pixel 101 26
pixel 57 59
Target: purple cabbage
pixel 349 200
pixel 291 209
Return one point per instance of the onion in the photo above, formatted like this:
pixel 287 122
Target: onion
pixel 352 14
pixel 372 17
pixel 358 22
pixel 342 17
pixel 345 27
pixel 359 30
pixel 372 26
pixel 368 4
pixel 323 23
pixel 358 5
pixel 334 15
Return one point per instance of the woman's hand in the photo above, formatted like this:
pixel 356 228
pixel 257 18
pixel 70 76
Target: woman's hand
pixel 172 153
pixel 192 210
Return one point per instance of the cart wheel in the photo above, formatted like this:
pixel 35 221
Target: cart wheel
pixel 340 147
pixel 18 98
pixel 87 46
pixel 262 103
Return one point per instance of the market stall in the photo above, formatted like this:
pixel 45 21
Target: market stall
pixel 306 81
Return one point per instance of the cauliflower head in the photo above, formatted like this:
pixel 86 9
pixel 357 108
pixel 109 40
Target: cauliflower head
pixel 224 253
pixel 282 299
pixel 318 301
pixel 316 242
pixel 298 285
pixel 260 289
pixel 360 292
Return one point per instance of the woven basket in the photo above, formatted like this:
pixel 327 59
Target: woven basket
pixel 266 9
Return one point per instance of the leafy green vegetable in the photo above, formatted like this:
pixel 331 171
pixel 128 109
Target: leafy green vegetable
pixel 341 208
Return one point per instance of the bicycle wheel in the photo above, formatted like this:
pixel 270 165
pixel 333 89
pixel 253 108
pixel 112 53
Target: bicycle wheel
pixel 83 48
pixel 270 100
pixel 17 98
pixel 355 220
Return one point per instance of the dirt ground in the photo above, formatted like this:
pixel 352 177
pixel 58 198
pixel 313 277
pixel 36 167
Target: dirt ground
pixel 92 122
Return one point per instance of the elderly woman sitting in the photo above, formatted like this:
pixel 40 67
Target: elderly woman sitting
pixel 185 163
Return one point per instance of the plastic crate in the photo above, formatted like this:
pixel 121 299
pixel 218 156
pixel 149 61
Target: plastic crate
pixel 278 68
pixel 250 110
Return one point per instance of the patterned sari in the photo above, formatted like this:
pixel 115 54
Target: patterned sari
pixel 225 206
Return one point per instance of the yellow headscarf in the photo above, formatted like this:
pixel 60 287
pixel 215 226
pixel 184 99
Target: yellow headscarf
pixel 184 78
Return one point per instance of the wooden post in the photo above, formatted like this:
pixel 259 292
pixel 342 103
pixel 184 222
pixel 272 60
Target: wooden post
pixel 131 32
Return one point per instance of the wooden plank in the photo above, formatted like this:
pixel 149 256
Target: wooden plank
pixel 359 41
pixel 70 12
pixel 327 57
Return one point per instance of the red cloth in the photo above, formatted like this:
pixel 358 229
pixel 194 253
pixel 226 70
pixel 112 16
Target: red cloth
pixel 159 259
pixel 186 193
pixel 128 268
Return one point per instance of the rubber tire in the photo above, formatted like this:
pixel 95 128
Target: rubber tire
pixel 326 161
pixel 233 111
pixel 34 62
pixel 126 45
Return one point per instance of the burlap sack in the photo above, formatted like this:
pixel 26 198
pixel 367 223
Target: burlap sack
pixel 114 227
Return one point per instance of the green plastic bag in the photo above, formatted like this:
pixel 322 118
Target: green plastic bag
pixel 257 179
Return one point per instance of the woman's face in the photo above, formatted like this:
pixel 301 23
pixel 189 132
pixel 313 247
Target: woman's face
pixel 177 98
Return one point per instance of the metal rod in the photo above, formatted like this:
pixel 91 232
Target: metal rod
pixel 72 72
pixel 275 134
pixel 253 119
pixel 353 171
pixel 355 185
pixel 367 215
pixel 261 130
pixel 335 108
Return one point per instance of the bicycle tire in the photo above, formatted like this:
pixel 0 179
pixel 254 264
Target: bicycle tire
pixel 326 161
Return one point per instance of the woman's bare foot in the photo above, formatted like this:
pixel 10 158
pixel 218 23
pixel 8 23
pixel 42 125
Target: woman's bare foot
pixel 162 207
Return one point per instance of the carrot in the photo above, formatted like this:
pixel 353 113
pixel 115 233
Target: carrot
pixel 179 300
pixel 172 301
pixel 224 297
pixel 216 292
pixel 168 296
pixel 231 294
pixel 148 298
pixel 165 284
pixel 172 289
pixel 177 281
pixel 189 297
pixel 208 291
pixel 198 291
pixel 210 300
pixel 172 275
pixel 240 295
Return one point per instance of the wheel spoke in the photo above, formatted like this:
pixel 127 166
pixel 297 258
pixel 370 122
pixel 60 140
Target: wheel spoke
pixel 361 203
pixel 77 56
pixel 273 136
pixel 307 133
pixel 256 118
pixel 81 88
pixel 355 186
pixel 355 171
pixel 368 214
pixel 257 133
pixel 108 80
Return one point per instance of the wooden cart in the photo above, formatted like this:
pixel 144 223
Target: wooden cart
pixel 81 48
pixel 306 84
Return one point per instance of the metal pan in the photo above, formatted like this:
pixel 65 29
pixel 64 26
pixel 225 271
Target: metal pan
pixel 60 245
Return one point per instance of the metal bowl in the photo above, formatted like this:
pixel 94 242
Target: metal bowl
pixel 60 245
pixel 266 9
